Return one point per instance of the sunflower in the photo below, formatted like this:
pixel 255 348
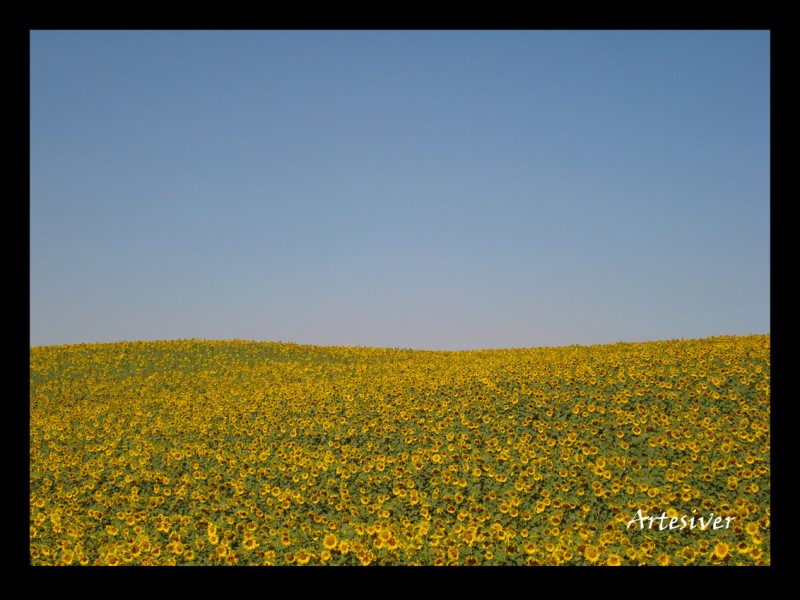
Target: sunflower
pixel 302 557
pixel 329 541
pixel 743 547
pixel 614 560
pixel 721 550
pixel 250 544
pixel 591 554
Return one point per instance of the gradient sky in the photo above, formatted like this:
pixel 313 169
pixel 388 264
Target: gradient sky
pixel 416 189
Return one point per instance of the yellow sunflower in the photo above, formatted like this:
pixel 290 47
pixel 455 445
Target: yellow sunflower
pixel 614 560
pixel 743 547
pixel 721 550
pixel 530 548
pixel 250 544
pixel 330 541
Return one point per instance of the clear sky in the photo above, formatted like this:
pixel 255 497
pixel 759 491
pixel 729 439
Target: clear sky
pixel 418 189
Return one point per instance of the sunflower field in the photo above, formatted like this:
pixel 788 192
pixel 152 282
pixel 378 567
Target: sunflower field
pixel 198 452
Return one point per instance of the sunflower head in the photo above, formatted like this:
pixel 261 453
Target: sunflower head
pixel 721 550
pixel 330 541
pixel 614 560
pixel 591 554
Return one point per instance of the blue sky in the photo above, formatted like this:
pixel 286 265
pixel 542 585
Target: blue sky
pixel 419 189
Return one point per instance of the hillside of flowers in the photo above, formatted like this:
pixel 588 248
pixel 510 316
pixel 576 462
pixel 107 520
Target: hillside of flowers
pixel 201 452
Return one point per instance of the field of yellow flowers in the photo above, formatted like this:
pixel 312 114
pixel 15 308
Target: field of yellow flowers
pixel 247 453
